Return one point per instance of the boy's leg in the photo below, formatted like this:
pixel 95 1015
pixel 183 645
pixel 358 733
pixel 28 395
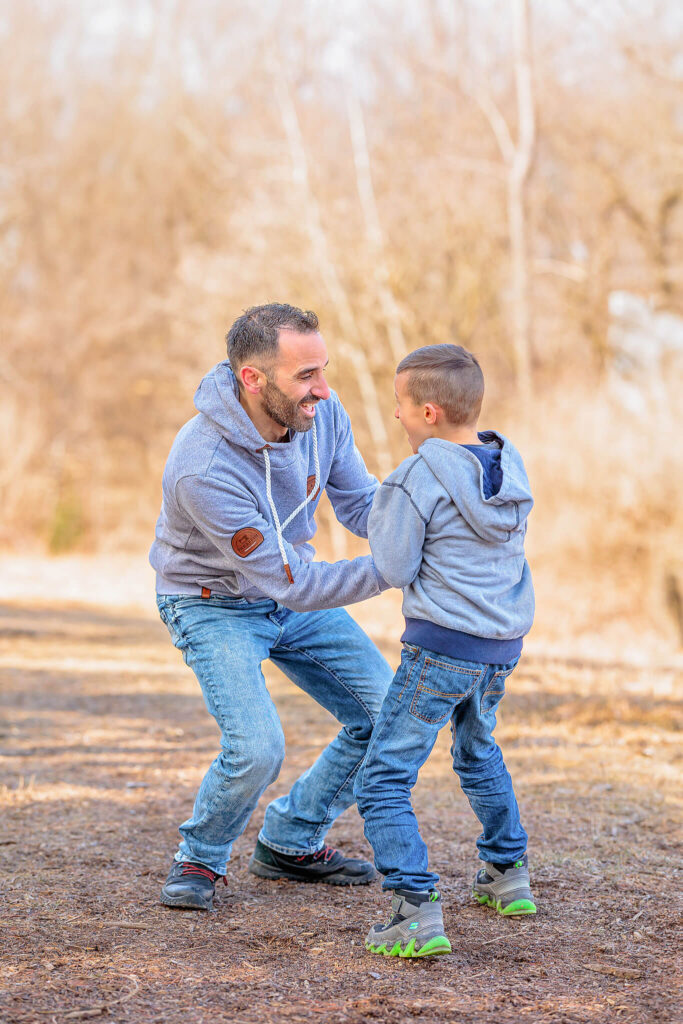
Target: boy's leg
pixel 419 703
pixel 329 657
pixel 224 646
pixel 478 761
pixel 503 882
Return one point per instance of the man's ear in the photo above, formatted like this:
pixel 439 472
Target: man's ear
pixel 252 379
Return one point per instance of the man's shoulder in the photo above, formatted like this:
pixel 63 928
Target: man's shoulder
pixel 194 449
pixel 333 410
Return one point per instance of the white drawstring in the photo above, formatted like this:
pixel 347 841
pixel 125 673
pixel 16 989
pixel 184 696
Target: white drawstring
pixel 279 528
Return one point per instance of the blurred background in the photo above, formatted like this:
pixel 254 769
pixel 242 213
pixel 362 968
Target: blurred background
pixel 504 175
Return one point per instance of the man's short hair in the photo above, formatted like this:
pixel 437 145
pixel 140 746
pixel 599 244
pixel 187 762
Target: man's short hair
pixel 447 375
pixel 254 335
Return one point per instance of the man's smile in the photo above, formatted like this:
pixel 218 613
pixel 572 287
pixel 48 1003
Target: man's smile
pixel 308 407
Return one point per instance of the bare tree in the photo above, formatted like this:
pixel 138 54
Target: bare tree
pixel 373 227
pixel 519 162
pixel 349 346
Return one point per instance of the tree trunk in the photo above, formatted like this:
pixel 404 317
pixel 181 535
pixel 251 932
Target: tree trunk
pixel 348 348
pixel 518 178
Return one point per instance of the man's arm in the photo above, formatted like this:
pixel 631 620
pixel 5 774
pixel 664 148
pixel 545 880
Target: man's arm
pixel 396 530
pixel 349 487
pixel 222 513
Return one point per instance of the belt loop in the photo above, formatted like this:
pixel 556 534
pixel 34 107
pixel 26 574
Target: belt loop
pixel 206 592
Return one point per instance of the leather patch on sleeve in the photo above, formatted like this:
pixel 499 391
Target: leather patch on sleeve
pixel 245 541
pixel 310 484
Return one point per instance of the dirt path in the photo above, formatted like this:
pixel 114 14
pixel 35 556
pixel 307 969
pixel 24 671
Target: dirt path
pixel 104 738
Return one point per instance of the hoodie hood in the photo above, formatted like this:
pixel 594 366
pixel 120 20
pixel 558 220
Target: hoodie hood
pixel 217 397
pixel 461 474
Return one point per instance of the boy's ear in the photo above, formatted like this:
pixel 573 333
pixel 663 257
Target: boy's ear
pixel 432 413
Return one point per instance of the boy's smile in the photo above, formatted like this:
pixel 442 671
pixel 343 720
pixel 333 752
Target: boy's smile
pixel 418 421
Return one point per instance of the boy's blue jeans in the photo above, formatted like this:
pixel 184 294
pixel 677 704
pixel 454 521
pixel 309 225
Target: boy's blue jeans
pixel 224 640
pixel 428 691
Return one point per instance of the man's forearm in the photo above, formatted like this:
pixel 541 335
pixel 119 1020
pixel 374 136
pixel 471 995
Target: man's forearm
pixel 320 585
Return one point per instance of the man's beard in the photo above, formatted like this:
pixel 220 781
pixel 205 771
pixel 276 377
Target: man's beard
pixel 283 410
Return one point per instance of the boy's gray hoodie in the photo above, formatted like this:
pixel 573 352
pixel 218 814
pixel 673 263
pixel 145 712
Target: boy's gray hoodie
pixel 237 513
pixel 456 549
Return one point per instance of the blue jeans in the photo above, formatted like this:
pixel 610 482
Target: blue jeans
pixel 224 640
pixel 428 691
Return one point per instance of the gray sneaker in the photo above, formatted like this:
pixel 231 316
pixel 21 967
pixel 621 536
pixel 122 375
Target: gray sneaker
pixel 415 929
pixel 507 891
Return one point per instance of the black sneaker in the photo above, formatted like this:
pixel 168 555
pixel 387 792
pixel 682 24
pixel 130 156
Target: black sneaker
pixel 326 865
pixel 190 885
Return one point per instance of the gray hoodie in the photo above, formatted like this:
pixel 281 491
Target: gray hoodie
pixel 456 548
pixel 237 514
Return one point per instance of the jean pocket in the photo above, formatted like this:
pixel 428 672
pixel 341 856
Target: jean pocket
pixel 440 689
pixel 168 613
pixel 494 692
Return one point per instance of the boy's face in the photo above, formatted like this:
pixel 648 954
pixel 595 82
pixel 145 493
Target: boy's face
pixel 418 421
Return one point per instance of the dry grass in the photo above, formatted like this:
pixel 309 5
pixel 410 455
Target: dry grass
pixel 604 536
pixel 105 738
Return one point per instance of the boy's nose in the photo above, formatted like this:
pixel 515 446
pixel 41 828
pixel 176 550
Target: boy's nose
pixel 396 416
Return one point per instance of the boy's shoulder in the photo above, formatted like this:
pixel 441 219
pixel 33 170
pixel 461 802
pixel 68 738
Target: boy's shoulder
pixel 403 470
pixel 408 472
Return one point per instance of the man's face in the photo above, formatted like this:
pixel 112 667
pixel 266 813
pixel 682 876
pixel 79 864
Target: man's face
pixel 296 382
pixel 411 416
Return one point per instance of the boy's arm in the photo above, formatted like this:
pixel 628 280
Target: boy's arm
pixel 349 486
pixel 396 531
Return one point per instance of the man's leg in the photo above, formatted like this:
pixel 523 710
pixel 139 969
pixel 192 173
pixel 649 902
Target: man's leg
pixel 329 657
pixel 224 644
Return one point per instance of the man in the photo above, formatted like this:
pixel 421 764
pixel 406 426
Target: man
pixel 236 584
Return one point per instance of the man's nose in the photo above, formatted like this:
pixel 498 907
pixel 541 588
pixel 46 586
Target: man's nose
pixel 396 414
pixel 320 389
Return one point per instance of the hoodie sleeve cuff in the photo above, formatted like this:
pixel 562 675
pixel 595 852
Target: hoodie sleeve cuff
pixel 381 582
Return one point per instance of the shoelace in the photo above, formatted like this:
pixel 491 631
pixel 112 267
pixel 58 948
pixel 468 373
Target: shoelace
pixel 327 853
pixel 197 869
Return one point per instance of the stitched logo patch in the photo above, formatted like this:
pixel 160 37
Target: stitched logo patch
pixel 245 541
pixel 310 484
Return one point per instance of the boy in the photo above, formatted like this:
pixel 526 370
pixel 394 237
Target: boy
pixel 448 527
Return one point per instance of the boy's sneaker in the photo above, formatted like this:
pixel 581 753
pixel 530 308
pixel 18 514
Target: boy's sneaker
pixel 506 888
pixel 415 929
pixel 327 865
pixel 190 885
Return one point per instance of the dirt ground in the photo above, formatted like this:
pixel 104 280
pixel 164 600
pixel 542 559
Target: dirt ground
pixel 104 738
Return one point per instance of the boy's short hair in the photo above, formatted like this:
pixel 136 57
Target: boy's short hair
pixel 447 375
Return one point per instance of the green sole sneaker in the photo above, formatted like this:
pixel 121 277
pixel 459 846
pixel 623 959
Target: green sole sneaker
pixel 518 908
pixel 506 888
pixel 415 930
pixel 437 946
